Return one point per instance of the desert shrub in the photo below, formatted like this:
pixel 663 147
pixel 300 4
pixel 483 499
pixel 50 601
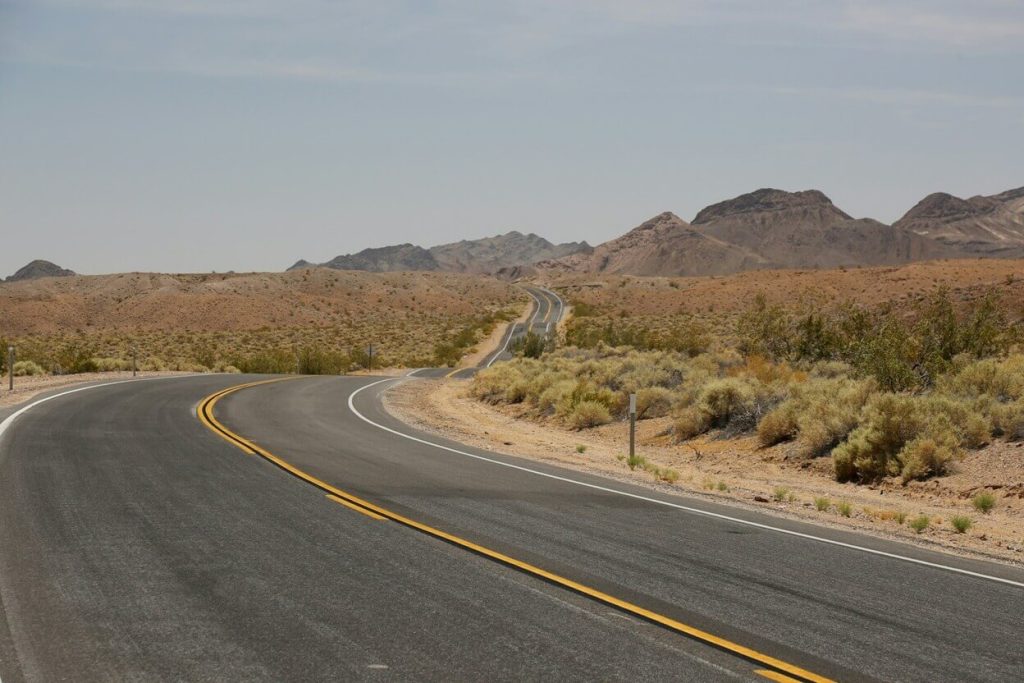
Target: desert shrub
pixel 681 334
pixel 844 508
pixel 819 413
pixel 23 368
pixel 153 364
pixel 926 456
pixel 822 504
pixel 588 413
pixel 780 493
pixel 983 502
pixel 920 523
pixel 690 422
pixel 320 361
pixel 231 370
pixel 491 385
pixel 1008 420
pixel 724 399
pixel 777 426
pixel 555 395
pixel 961 523
pixel 899 435
pixel 634 461
pixel 653 402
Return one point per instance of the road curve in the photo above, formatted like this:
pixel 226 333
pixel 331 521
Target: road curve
pixel 547 309
pixel 136 544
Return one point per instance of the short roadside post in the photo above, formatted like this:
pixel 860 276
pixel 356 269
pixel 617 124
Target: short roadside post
pixel 369 363
pixel 632 425
pixel 135 364
pixel 10 367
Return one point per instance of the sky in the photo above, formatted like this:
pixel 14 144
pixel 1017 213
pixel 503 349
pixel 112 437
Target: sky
pixel 201 135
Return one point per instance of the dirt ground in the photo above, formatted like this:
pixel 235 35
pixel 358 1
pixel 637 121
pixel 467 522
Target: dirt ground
pixel 736 471
pixel 26 388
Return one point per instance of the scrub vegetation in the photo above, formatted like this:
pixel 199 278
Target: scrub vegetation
pixel 883 392
pixel 315 322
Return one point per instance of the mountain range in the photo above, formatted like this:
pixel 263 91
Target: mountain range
pixel 486 255
pixel 767 228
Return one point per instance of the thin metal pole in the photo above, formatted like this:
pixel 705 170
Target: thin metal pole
pixel 632 425
pixel 135 364
pixel 10 367
pixel 370 363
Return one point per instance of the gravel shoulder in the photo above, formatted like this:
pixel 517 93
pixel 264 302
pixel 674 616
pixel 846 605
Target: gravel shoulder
pixel 738 472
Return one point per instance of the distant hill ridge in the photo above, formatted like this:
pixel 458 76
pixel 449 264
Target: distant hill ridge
pixel 982 226
pixel 486 255
pixel 37 269
pixel 772 228
pixel 766 228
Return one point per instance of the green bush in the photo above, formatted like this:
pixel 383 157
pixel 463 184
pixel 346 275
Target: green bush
pixel 844 508
pixel 822 504
pixel 920 523
pixel 983 502
pixel 588 413
pixel 899 435
pixel 23 368
pixel 961 523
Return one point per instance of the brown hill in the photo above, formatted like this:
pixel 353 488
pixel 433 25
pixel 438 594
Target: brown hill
pixel 991 226
pixel 39 268
pixel 147 302
pixel 663 245
pixel 486 255
pixel 806 230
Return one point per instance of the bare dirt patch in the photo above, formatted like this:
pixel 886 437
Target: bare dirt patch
pixel 738 472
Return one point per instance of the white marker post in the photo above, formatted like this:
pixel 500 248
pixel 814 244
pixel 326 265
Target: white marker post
pixel 632 425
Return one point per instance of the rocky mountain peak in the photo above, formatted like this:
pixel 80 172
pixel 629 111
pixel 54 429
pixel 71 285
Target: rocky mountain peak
pixel 766 200
pixel 37 269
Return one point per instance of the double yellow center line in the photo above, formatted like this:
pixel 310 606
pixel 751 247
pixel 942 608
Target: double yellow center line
pixel 775 669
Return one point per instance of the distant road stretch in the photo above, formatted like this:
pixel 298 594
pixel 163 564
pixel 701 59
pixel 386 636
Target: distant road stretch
pixel 298 532
pixel 548 309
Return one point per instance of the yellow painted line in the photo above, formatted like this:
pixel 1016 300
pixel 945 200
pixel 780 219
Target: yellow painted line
pixel 350 506
pixel 776 676
pixel 777 665
pixel 453 372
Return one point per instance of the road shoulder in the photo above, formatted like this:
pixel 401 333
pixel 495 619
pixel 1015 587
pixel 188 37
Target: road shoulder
pixel 444 409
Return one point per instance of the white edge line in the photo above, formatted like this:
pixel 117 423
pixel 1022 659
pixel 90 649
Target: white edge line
pixel 697 511
pixel 511 333
pixel 5 425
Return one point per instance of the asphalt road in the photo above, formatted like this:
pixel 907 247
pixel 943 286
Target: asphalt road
pixel 547 310
pixel 135 544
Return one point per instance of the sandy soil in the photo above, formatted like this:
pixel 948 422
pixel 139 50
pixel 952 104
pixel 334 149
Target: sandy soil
pixel 751 477
pixel 26 388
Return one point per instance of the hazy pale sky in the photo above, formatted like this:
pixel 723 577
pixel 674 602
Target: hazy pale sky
pixel 198 135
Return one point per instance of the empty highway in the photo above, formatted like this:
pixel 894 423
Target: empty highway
pixel 293 530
